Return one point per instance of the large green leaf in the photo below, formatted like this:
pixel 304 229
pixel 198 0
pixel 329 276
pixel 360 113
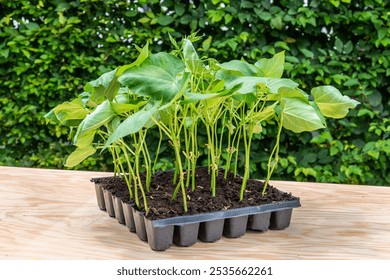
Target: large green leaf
pixel 195 97
pixel 240 68
pixel 275 84
pixel 191 58
pixel 299 116
pixel 121 104
pixel 78 155
pixel 106 86
pixel 267 113
pixel 113 86
pixel 113 124
pixel 293 93
pixel 273 67
pixel 85 138
pixel 133 123
pixel 70 113
pixel 143 54
pixel 100 116
pixel 121 108
pixel 331 102
pixel 250 84
pixel 51 117
pixel 161 76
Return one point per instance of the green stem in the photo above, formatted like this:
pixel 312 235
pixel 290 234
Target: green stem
pixel 147 160
pixel 237 147
pixel 247 147
pixel 187 155
pixel 131 173
pixel 157 151
pixel 210 138
pixel 180 184
pixel 273 158
pixel 195 153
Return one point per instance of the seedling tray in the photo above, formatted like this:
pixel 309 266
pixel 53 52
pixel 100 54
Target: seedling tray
pixel 207 227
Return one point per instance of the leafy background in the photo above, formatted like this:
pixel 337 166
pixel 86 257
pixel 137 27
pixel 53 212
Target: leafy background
pixel 50 49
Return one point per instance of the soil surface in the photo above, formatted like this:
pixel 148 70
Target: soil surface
pixel 200 200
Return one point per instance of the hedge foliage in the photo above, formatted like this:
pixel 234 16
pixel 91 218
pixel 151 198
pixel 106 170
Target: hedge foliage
pixel 50 49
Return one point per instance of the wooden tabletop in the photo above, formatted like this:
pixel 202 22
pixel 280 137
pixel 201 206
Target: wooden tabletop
pixel 53 214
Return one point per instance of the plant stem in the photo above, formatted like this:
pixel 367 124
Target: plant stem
pixel 247 147
pixel 274 154
pixel 180 184
pixel 212 163
pixel 194 133
pixel 147 160
pixel 157 151
pixel 131 172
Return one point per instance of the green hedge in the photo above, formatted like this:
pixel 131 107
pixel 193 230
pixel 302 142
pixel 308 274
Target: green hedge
pixel 50 49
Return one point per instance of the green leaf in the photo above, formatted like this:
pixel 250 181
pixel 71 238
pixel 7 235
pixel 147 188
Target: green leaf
pixel 282 45
pixel 85 138
pixel 348 47
pixel 375 98
pixel 195 97
pixel 161 76
pixel 26 53
pixel 232 43
pixel 299 116
pixel 339 45
pixel 143 54
pixel 121 105
pixel 191 57
pixel 207 43
pixel 100 116
pixel 364 112
pixel 293 93
pixel 240 67
pixel 351 82
pixel 292 59
pixel 4 53
pixel 250 84
pixel 105 86
pixel 144 20
pixel 267 113
pixel 132 124
pixel 307 53
pixel 78 155
pixel 273 67
pixel 331 102
pixel 265 16
pixel 277 23
pixel 113 124
pixel 150 14
pixel 70 113
pixel 179 9
pixel 165 20
pixel 50 117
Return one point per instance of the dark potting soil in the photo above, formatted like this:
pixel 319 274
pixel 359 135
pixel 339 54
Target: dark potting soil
pixel 200 200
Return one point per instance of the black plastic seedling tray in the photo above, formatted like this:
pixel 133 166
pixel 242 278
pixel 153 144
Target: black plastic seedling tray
pixel 207 227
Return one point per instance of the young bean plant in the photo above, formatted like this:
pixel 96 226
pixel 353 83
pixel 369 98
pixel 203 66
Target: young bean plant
pixel 179 94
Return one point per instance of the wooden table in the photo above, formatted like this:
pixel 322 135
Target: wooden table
pixel 53 214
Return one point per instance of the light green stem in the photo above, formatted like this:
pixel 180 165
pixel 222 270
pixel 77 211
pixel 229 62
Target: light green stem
pixel 274 157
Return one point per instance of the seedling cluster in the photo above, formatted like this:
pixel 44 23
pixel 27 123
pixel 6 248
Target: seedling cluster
pixel 180 94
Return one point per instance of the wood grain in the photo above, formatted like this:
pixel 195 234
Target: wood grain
pixel 53 214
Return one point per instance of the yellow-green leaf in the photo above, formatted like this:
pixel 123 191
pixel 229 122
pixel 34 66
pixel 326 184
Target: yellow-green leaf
pixel 273 67
pixel 299 116
pixel 331 102
pixel 79 155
